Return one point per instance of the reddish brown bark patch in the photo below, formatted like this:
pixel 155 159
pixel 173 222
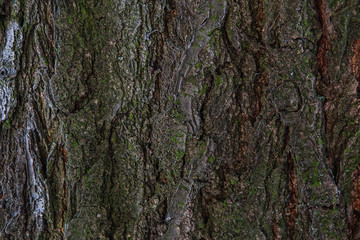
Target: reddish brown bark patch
pixel 259 18
pixel 258 91
pixel 63 208
pixel 64 155
pixel 356 190
pixel 353 220
pixel 274 227
pixel 324 46
pixel 324 86
pixel 355 64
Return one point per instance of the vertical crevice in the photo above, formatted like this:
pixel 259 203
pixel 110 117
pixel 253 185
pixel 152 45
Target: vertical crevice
pixel 275 227
pixel 324 86
pixel 291 209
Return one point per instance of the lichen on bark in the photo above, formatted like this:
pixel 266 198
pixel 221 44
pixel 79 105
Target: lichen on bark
pixel 175 119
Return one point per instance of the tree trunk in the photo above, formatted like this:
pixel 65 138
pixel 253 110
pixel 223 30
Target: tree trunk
pixel 173 119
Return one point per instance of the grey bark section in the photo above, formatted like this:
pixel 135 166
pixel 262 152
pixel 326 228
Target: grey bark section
pixel 28 124
pixel 179 119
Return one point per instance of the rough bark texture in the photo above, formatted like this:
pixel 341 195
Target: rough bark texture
pixel 173 119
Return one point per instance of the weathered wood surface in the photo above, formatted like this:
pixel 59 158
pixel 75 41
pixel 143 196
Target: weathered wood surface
pixel 173 119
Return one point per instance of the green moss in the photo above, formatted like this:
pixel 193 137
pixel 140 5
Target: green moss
pixel 174 140
pixel 179 154
pixel 176 114
pixel 70 20
pixel 7 124
pixel 74 143
pixel 198 65
pixel 245 45
pixel 181 186
pixel 236 123
pixel 203 89
pixel 218 80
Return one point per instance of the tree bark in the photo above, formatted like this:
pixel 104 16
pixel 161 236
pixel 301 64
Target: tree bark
pixel 172 119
